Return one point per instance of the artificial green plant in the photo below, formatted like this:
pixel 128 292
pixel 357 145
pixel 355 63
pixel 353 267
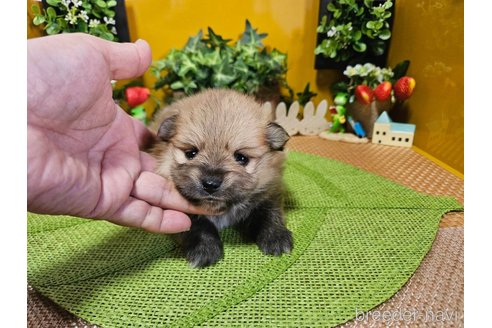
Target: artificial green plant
pixel 95 17
pixel 354 28
pixel 211 62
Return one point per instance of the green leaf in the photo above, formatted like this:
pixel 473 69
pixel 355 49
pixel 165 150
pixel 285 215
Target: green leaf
pixel 186 66
pixel 35 9
pixel 82 26
pixel 51 12
pixel 63 24
pixel 386 15
pixel 53 2
pixel 279 57
pixel 370 25
pixel 101 3
pixel 251 37
pixel 378 48
pixel 193 42
pixel 223 75
pixel 109 13
pixel 339 87
pixel 400 70
pixel 38 19
pixel 215 40
pixel 111 3
pixel 52 28
pixel 177 85
pixel 241 68
pixel 305 96
pixel 385 35
pixel 187 85
pixel 388 4
pixel 357 35
pixel 213 58
pixel 359 46
pixel 332 53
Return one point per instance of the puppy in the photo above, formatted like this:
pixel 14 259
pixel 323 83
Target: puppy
pixel 224 154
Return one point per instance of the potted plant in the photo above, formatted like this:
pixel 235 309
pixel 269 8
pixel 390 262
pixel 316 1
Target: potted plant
pixel 211 62
pixel 353 31
pixel 105 19
pixel 368 90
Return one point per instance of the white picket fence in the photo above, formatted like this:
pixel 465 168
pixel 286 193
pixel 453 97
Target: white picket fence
pixel 312 123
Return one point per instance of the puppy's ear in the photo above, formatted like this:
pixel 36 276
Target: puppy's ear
pixel 167 129
pixel 276 136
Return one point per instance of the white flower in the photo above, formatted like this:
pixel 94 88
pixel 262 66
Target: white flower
pixel 387 72
pixel 70 18
pixel 94 22
pixel 331 32
pixel 113 30
pixel 77 3
pixel 366 69
pixel 369 66
pixel 350 71
pixel 66 3
pixel 109 20
pixel 83 15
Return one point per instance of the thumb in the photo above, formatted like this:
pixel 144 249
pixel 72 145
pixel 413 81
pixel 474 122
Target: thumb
pixel 126 60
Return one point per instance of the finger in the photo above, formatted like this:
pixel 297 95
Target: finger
pixel 157 191
pixel 139 214
pixel 126 60
pixel 147 162
pixel 144 137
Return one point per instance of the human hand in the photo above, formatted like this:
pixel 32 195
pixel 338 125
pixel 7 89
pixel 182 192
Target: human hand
pixel 83 150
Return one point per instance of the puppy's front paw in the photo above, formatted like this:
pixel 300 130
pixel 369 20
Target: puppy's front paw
pixel 275 242
pixel 204 254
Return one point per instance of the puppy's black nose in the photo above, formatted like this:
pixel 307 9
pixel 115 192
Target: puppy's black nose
pixel 211 183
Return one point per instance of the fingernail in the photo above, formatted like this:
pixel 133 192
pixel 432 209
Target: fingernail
pixel 140 41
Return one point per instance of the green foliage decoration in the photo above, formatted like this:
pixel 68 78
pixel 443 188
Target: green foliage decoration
pixel 211 62
pixel 95 17
pixel 355 27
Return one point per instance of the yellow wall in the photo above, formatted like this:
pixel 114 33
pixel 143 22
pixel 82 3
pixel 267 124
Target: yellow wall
pixel 290 24
pixel 429 33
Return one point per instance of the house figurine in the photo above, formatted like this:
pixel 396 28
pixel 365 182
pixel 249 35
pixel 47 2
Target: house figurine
pixel 386 132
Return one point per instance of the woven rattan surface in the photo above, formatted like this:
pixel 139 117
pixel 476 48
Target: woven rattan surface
pixel 378 159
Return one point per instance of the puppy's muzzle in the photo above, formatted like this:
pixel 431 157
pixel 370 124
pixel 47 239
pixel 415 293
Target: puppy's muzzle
pixel 212 182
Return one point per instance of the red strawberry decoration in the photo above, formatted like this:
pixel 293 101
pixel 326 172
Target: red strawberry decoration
pixel 383 91
pixel 364 94
pixel 404 88
pixel 136 95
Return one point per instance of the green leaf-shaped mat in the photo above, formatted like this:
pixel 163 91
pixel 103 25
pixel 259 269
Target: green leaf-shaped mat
pixel 358 238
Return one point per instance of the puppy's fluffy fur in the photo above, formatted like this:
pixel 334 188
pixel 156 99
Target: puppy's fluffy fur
pixel 224 153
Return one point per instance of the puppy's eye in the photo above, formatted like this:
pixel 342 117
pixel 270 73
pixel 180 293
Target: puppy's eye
pixel 191 153
pixel 241 159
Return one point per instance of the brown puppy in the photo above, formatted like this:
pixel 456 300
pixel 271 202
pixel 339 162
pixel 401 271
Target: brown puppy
pixel 224 153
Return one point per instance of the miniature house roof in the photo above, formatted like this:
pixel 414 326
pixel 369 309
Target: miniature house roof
pixel 395 127
pixel 383 118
